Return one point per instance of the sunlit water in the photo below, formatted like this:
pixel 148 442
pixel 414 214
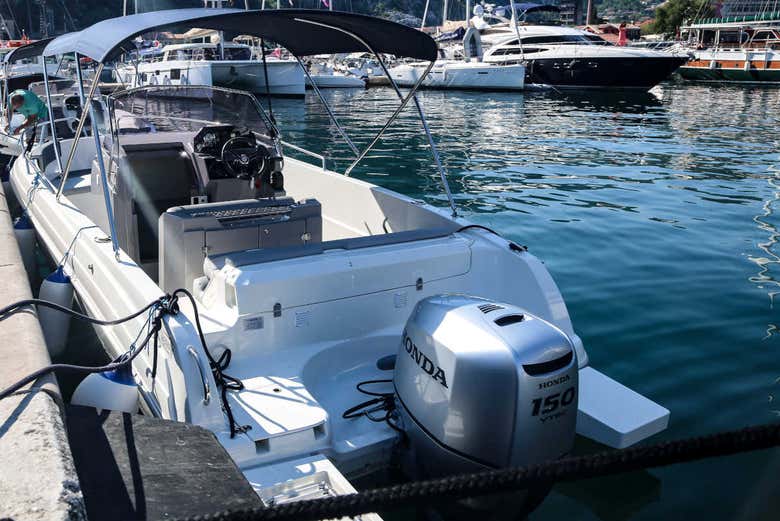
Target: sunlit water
pixel 658 217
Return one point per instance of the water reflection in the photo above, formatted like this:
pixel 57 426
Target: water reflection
pixel 765 279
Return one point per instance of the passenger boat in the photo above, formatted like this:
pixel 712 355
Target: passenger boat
pixel 734 50
pixel 349 317
pixel 221 65
pixel 569 58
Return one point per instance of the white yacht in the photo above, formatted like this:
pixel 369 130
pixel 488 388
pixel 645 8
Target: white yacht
pixel 460 68
pixel 221 65
pixel 569 58
pixel 348 317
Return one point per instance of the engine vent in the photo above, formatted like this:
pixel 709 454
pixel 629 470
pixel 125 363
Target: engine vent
pixel 548 367
pixel 508 320
pixel 487 308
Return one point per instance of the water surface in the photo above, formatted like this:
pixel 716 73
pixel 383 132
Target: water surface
pixel 658 217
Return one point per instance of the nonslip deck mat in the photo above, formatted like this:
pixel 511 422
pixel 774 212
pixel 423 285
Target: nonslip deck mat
pixel 133 467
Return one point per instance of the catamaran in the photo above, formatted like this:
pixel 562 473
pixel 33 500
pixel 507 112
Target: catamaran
pixel 361 328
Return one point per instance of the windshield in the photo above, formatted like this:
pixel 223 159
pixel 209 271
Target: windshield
pixel 168 108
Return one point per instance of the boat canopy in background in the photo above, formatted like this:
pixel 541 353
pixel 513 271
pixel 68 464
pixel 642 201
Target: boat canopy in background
pixel 303 32
pixel 30 50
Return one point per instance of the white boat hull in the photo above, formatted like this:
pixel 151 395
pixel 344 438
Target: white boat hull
pixel 336 81
pixel 462 75
pixel 285 78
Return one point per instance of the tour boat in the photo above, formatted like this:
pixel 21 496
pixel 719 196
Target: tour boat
pixel 733 50
pixel 359 327
pixel 221 65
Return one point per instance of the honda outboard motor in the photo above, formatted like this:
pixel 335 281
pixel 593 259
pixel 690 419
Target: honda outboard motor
pixel 482 385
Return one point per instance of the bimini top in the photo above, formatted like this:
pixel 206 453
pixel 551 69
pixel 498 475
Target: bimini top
pixel 30 50
pixel 303 32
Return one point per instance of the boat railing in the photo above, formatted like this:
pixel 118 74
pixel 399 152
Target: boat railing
pixel 309 153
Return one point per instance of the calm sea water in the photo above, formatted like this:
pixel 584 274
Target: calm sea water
pixel 658 216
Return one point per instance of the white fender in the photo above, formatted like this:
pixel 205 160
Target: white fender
pixel 25 236
pixel 55 324
pixel 112 390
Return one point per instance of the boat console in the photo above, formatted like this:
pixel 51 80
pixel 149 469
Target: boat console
pixel 190 233
pixel 220 187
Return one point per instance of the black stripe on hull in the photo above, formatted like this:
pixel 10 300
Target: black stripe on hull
pixel 602 73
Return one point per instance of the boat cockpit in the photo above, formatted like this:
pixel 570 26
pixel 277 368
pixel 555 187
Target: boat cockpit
pixel 200 176
pixel 190 181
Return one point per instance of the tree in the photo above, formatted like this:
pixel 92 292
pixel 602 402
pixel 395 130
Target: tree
pixel 670 15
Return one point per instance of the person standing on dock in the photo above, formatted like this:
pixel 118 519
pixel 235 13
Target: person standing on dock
pixel 27 104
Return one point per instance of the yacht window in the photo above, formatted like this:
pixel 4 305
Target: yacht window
pixel 238 53
pixel 764 36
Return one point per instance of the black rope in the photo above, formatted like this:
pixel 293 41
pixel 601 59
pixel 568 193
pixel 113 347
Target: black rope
pixel 158 309
pixel 166 305
pixel 224 382
pixel 509 480
pixel 384 401
pixel 512 245
pixel 16 306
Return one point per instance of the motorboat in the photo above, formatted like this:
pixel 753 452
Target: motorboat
pixel 360 328
pixel 569 58
pixel 733 50
pixel 225 64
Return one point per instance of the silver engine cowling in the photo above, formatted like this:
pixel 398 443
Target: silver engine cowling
pixel 482 385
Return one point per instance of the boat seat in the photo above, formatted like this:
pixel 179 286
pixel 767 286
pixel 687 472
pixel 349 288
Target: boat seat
pixel 260 256
pixel 189 233
pixel 152 178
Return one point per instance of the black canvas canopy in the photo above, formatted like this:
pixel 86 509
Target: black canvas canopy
pixel 27 51
pixel 302 31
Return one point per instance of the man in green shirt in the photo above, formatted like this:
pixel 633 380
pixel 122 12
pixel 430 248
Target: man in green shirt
pixel 29 105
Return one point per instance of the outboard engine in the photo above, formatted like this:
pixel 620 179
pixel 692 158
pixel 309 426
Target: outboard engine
pixel 482 385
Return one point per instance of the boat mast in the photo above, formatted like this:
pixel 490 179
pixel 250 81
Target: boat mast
pixel 425 14
pixel 513 21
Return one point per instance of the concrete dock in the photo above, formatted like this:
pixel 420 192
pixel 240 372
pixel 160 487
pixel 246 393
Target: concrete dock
pixel 39 480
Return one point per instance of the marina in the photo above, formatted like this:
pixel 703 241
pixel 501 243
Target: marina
pixel 314 273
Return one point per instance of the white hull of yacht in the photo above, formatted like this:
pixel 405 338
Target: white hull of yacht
pixel 285 77
pixel 452 74
pixel 336 81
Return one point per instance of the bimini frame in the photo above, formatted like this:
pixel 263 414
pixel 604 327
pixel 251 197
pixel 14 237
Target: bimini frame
pixel 320 20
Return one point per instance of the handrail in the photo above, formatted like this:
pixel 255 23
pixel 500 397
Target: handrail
pixel 306 152
pixel 203 377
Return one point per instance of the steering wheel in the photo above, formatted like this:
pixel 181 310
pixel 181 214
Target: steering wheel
pixel 243 158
